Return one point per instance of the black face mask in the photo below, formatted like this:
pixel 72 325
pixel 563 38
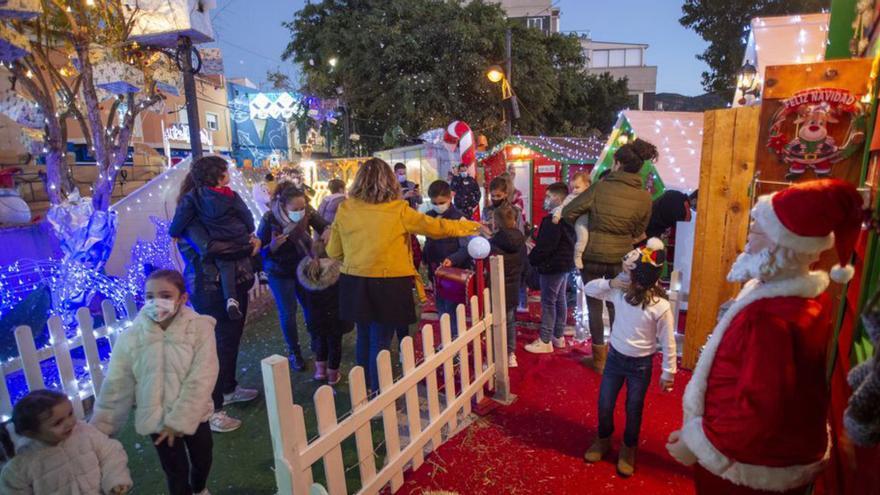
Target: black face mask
pixel 497 202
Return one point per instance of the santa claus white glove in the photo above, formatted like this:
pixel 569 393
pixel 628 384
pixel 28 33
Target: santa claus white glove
pixel 679 450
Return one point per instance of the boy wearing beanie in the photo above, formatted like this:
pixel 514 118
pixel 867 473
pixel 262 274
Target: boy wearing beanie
pixel 644 315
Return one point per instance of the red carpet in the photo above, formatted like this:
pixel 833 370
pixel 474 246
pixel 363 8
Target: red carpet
pixel 536 444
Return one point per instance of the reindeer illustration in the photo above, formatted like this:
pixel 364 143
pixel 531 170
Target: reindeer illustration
pixel 813 147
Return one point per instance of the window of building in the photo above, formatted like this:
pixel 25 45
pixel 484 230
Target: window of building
pixel 635 101
pixel 182 117
pixel 535 22
pixel 616 58
pixel 212 121
pixel 633 57
pixel 599 58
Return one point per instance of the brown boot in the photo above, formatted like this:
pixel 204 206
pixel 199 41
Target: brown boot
pixel 598 450
pixel 626 462
pixel 597 360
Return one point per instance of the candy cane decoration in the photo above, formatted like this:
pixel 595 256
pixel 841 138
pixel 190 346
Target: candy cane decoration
pixel 459 135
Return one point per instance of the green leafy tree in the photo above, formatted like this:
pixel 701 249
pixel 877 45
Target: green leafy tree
pixel 405 66
pixel 725 26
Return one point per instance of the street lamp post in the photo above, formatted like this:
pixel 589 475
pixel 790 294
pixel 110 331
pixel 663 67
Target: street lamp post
pixel 497 74
pixel 184 54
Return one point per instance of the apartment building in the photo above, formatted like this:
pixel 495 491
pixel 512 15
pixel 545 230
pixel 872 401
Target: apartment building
pixel 624 60
pixel 537 14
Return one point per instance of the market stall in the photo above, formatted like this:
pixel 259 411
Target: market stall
pixel 538 161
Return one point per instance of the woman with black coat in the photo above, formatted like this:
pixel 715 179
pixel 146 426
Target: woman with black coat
pixel 286 235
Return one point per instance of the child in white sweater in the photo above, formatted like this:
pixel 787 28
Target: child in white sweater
pixel 166 363
pixel 643 315
pixel 56 454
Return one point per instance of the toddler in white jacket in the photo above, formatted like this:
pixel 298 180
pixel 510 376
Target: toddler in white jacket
pixel 580 182
pixel 56 454
pixel 166 363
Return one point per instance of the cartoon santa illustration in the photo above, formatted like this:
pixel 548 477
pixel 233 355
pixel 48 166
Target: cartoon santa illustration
pixel 755 409
pixel 813 147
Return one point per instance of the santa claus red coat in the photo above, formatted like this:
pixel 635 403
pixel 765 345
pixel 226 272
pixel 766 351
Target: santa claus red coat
pixel 755 411
pixel 755 408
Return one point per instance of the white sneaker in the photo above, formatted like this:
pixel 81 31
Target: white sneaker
pixel 204 492
pixel 511 361
pixel 240 394
pixel 221 423
pixel 539 347
pixel 558 343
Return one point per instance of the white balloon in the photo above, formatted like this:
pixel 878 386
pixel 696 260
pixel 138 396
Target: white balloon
pixel 479 248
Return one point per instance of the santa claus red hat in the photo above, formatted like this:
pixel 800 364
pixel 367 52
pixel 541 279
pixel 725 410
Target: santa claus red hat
pixel 813 216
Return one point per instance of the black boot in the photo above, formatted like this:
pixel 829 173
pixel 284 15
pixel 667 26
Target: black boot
pixel 296 361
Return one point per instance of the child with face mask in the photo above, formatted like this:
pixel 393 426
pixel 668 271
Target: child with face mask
pixel 499 195
pixel 553 258
pixel 56 454
pixel 166 363
pixel 449 251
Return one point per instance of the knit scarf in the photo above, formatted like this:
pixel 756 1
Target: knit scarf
pixel 299 234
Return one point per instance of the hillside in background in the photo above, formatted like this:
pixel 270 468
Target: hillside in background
pixel 673 102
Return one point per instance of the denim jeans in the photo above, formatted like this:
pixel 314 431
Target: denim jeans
pixel 593 271
pixel 448 307
pixel 372 338
pixel 636 372
pixel 553 306
pixel 284 290
pixel 511 330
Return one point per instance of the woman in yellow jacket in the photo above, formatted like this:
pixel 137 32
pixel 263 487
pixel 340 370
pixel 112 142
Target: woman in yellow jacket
pixel 371 236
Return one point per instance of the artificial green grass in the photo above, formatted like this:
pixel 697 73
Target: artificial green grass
pixel 243 459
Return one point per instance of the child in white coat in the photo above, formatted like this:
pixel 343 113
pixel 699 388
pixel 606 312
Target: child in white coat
pixel 166 363
pixel 56 454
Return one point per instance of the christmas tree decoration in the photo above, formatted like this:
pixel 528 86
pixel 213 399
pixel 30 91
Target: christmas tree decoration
pixel 163 22
pixel 20 9
pixel 801 130
pixel 13 45
pixel 678 137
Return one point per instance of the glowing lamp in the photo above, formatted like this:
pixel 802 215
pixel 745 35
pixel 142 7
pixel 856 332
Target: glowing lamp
pixel 495 74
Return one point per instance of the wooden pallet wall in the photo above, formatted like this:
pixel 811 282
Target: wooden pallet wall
pixel 730 139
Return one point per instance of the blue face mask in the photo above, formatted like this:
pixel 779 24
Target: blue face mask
pixel 296 216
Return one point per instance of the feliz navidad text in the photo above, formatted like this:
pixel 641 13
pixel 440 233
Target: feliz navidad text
pixel 834 97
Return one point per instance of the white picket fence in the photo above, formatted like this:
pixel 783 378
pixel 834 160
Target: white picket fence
pixel 30 359
pixel 482 348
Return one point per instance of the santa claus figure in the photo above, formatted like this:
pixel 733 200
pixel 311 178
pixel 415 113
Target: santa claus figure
pixel 755 408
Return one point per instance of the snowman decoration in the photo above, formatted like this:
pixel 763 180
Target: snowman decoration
pixel 813 147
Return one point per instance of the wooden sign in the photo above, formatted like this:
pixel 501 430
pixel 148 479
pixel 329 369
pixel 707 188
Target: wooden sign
pixel 812 123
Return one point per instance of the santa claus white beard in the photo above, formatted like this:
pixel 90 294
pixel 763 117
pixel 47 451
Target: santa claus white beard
pixel 760 265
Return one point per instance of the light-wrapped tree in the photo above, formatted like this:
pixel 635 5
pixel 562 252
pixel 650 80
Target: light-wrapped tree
pixel 77 58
